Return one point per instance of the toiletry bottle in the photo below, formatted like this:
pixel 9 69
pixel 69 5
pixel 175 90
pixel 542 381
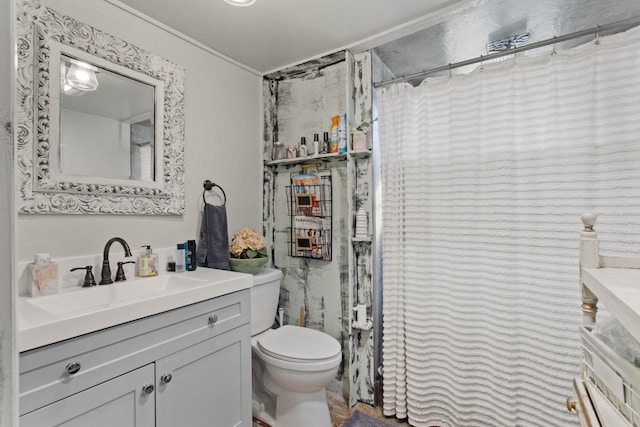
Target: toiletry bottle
pixel 303 147
pixel 180 257
pixel 333 147
pixel 342 134
pixel 171 264
pixel 325 143
pixel 316 144
pixel 147 264
pixel 192 263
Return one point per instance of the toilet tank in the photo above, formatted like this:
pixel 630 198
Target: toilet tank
pixel 265 294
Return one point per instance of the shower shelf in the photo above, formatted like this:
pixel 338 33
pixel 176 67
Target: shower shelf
pixel 321 157
pixel 307 159
pixel 361 240
pixel 366 327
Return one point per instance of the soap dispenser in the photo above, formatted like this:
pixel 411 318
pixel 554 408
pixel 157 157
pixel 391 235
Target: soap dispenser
pixel 147 264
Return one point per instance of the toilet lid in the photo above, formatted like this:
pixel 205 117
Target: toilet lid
pixel 296 343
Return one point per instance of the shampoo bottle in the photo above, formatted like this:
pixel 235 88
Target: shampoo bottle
pixel 147 264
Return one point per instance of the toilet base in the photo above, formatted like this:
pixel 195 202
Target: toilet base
pixel 297 409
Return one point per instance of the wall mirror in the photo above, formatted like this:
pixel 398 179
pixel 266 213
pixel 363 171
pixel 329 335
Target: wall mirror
pixel 100 121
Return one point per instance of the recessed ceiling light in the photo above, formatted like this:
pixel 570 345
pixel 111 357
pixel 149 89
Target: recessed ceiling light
pixel 241 2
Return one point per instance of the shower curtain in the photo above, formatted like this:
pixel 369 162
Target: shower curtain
pixel 484 178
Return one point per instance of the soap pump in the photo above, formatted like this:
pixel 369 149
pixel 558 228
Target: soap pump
pixel 147 264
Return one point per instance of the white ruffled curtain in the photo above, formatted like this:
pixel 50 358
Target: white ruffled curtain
pixel 484 178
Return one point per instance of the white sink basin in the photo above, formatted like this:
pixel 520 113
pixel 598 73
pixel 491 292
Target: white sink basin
pixel 76 311
pixel 98 297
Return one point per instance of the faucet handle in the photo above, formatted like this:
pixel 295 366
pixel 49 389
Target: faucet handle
pixel 89 280
pixel 120 273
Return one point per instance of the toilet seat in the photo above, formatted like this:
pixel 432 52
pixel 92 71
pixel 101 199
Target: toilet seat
pixel 297 344
pixel 304 347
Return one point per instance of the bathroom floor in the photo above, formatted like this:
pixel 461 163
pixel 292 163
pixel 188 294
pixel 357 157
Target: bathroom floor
pixel 340 411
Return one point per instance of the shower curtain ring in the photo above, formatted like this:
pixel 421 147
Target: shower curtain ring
pixel 553 52
pixel 597 35
pixel 481 64
pixel 450 75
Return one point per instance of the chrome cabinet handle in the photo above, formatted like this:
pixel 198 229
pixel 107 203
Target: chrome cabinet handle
pixel 73 368
pixel 148 388
pixel 213 319
pixel 166 378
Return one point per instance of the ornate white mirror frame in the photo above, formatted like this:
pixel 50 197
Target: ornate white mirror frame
pixel 41 190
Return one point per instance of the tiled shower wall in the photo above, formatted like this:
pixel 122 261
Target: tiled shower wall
pixel 300 102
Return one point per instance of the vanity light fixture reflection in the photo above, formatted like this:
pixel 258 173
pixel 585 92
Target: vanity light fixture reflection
pixel 81 76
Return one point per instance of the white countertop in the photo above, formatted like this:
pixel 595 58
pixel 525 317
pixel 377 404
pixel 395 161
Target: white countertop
pixel 38 326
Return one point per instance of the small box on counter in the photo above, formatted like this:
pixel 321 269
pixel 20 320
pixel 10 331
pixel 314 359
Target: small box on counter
pixel 44 279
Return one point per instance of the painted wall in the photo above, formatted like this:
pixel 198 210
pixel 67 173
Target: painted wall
pixel 320 294
pixel 313 292
pixel 8 357
pixel 222 134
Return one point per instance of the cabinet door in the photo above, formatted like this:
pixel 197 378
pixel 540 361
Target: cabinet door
pixel 118 402
pixel 210 383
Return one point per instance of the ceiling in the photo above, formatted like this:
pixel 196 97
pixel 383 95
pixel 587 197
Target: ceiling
pixel 273 34
pixel 421 34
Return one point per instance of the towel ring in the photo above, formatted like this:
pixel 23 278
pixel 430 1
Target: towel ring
pixel 208 186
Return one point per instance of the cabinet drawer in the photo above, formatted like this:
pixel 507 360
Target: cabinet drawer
pixel 51 373
pixel 120 401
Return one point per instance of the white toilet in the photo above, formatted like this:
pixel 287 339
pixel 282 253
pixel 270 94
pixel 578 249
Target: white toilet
pixel 291 365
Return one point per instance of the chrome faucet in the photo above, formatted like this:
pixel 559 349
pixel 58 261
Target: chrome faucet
pixel 106 269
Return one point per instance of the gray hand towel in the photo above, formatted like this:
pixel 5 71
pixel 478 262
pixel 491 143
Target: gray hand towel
pixel 213 250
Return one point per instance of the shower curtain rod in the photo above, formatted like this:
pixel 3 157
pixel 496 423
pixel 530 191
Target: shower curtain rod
pixel 630 22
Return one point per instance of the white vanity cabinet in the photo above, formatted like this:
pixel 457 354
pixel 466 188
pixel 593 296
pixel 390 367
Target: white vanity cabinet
pixel 187 366
pixel 207 387
pixel 607 394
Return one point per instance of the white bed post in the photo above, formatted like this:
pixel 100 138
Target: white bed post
pixel 589 258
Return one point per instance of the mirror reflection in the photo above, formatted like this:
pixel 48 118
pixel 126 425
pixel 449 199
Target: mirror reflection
pixel 107 123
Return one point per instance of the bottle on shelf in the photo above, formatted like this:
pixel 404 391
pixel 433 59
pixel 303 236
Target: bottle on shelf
pixel 278 151
pixel 333 147
pixel 325 143
pixel 302 150
pixel 342 133
pixel 316 144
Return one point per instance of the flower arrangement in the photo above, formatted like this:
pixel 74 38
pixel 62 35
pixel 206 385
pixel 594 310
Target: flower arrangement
pixel 246 243
pixel 363 127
